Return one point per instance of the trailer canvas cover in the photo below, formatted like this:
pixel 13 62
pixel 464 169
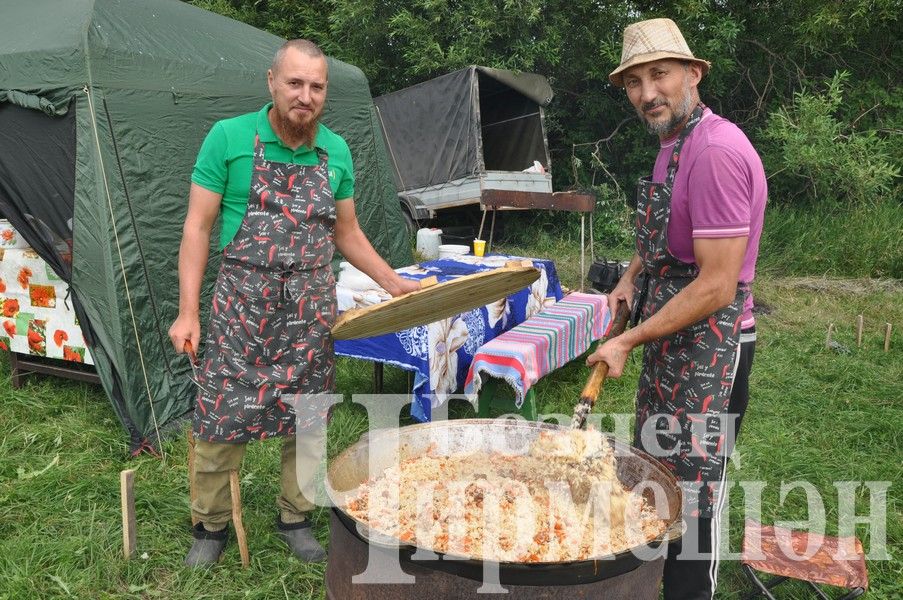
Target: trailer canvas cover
pixel 467 122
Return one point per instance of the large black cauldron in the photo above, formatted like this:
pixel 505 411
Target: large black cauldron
pixel 633 574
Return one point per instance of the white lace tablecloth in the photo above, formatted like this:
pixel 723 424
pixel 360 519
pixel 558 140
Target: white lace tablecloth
pixel 439 354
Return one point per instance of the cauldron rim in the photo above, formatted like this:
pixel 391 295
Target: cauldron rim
pixel 562 573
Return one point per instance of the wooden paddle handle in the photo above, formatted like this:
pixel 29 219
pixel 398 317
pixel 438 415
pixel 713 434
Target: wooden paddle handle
pixel 600 371
pixel 189 350
pixel 594 384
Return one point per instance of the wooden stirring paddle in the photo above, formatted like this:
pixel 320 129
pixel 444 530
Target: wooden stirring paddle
pixel 593 386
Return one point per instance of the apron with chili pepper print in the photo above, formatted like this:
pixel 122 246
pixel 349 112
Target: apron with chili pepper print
pixel 273 306
pixel 687 376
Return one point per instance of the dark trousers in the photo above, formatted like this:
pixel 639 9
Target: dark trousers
pixel 693 577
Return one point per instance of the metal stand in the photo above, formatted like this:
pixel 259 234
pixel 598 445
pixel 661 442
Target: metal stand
pixel 377 378
pixel 23 364
pixel 496 394
pixel 764 551
pixel 765 587
pixel 567 201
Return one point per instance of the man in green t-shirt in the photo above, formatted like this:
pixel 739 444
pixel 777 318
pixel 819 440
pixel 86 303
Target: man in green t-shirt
pixel 283 185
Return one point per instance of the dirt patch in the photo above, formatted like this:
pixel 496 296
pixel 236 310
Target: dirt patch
pixel 762 308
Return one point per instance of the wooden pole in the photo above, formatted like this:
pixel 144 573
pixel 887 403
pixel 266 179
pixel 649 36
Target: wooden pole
pixel 859 331
pixel 830 334
pixel 192 491
pixel 127 502
pixel 236 519
pixel 887 329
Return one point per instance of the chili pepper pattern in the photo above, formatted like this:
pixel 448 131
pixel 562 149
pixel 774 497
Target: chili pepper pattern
pixel 272 308
pixel 687 375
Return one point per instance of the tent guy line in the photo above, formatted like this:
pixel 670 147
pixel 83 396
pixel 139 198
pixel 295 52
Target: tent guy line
pixel 125 281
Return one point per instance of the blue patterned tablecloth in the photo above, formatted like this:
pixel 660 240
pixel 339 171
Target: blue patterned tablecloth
pixel 439 354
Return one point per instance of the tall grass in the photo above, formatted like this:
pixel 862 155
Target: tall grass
pixel 830 239
pixel 833 240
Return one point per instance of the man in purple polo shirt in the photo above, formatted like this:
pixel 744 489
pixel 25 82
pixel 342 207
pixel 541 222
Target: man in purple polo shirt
pixel 698 223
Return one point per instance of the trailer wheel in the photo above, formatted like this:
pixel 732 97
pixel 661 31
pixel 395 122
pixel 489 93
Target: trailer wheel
pixel 410 222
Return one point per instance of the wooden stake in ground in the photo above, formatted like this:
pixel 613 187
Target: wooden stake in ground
pixel 127 501
pixel 830 334
pixel 192 491
pixel 859 331
pixel 887 337
pixel 236 519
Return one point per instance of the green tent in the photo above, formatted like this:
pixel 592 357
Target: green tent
pixel 103 106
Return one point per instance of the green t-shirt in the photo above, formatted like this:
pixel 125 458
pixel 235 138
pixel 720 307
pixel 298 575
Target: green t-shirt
pixel 226 158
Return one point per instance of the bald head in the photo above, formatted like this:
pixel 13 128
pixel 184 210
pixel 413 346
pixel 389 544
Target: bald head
pixel 305 47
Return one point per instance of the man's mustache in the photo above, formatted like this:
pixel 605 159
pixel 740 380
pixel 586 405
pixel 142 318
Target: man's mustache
pixel 646 106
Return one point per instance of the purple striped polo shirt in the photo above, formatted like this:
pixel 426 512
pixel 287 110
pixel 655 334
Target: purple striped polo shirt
pixel 723 170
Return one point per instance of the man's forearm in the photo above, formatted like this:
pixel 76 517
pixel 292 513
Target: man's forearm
pixel 697 301
pixel 633 269
pixel 355 247
pixel 193 255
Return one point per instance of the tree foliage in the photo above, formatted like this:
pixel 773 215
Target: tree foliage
pixel 774 73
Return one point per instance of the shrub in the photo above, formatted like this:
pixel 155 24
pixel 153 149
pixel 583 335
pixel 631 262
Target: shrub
pixel 809 151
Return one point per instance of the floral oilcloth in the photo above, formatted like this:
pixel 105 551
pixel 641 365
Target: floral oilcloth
pixel 37 317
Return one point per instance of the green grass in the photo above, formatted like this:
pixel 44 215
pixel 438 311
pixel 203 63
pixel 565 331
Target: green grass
pixel 815 415
pixel 833 240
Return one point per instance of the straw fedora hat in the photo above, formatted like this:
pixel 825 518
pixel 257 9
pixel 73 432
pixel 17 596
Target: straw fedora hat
pixel 651 40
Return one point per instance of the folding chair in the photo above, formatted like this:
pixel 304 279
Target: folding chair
pixel 838 561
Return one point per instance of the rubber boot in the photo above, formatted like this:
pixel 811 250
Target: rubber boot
pixel 208 546
pixel 300 539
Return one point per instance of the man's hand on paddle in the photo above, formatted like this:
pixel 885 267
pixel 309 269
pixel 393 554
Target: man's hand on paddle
pixel 614 352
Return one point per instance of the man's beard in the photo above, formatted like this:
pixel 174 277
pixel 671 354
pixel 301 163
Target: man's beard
pixel 678 114
pixel 303 133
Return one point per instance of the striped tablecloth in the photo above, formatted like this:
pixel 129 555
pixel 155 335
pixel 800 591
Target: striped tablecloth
pixel 541 344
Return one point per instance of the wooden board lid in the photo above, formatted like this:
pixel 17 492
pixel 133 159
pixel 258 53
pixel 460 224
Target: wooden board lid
pixel 433 303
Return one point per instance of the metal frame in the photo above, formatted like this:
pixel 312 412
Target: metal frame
pixel 494 394
pixel 494 200
pixel 22 364
pixel 765 587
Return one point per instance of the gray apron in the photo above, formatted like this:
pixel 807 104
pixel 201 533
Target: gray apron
pixel 687 375
pixel 273 306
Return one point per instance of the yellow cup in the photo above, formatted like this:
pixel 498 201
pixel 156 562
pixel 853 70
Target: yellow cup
pixel 479 247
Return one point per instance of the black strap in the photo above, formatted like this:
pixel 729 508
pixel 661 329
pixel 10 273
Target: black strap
pixel 692 122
